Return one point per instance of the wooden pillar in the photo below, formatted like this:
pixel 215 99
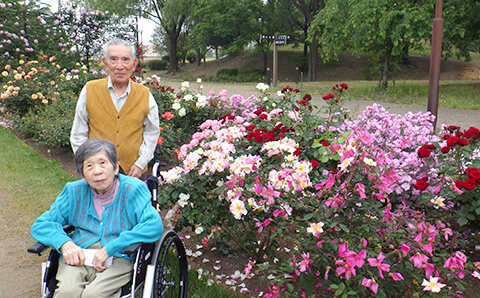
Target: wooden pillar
pixel 435 58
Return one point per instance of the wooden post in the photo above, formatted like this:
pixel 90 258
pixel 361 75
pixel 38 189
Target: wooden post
pixel 435 58
pixel 275 61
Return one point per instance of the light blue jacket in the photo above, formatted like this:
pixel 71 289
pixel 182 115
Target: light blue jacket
pixel 129 219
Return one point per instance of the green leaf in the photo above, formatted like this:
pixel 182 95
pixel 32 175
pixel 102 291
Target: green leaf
pixel 462 221
pixel 324 159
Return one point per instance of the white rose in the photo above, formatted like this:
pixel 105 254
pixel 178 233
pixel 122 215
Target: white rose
pixel 188 97
pixel 199 80
pixel 182 112
pixel 176 106
pixel 186 84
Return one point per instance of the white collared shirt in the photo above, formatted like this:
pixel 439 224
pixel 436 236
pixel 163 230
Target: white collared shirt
pixel 151 131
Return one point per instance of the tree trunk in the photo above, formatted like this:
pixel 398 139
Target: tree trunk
pixel 386 68
pixel 173 37
pixel 198 57
pixel 313 60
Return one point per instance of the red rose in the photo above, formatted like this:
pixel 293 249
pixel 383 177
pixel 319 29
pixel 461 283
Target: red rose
pixel 251 127
pixel 462 142
pixel 474 174
pixel 468 135
pixel 446 137
pixel 325 144
pixel 314 163
pixel 445 149
pixel 430 146
pixel 453 127
pixel 263 116
pixel 459 184
pixel 452 141
pixel 423 151
pixel 297 152
pixel 421 184
pixel 469 184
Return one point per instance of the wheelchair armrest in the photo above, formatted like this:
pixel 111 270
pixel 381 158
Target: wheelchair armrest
pixel 38 248
pixel 132 248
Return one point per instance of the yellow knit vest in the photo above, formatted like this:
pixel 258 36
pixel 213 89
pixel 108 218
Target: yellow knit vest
pixel 124 128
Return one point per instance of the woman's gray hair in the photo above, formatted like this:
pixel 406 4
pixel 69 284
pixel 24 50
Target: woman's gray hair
pixel 92 147
pixel 115 42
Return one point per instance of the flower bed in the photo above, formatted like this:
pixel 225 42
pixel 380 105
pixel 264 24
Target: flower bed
pixel 367 206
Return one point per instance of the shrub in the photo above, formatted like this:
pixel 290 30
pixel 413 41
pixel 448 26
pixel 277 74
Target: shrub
pixel 53 124
pixel 158 64
pixel 227 74
pixel 191 55
pixel 348 199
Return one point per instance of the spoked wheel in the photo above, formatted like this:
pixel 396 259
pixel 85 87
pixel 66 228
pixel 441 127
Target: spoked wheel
pixel 171 269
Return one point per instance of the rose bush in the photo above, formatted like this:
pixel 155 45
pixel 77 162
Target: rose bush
pixel 321 202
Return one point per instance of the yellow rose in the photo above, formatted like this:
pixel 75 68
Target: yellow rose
pixel 7 67
pixel 45 101
pixel 18 76
pixel 52 82
pixel 34 96
pixel 4 73
pixel 21 61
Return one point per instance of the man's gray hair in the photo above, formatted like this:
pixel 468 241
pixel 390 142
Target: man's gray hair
pixel 92 147
pixel 117 41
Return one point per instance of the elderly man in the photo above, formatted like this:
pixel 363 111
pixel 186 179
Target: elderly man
pixel 119 110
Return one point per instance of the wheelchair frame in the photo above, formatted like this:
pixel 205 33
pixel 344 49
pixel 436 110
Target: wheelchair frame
pixel 160 268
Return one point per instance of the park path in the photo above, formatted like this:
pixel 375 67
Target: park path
pixel 460 117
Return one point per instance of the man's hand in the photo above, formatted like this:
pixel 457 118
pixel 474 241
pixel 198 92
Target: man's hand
pixel 99 260
pixel 72 254
pixel 135 172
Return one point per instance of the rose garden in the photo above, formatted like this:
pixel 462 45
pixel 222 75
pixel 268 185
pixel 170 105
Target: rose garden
pixel 320 202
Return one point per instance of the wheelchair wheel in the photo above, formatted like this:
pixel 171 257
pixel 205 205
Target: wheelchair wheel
pixel 171 269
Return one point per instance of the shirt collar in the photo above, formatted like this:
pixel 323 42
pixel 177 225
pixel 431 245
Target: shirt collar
pixel 127 91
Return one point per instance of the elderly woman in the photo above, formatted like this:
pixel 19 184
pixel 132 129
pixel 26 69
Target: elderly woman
pixel 109 212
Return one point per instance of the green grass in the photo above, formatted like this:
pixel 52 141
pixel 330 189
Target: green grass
pixel 452 94
pixel 33 183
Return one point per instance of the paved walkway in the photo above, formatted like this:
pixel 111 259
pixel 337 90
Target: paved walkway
pixel 460 117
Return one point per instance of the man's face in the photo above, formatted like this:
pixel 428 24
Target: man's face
pixel 120 63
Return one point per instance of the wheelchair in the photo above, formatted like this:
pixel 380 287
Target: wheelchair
pixel 160 268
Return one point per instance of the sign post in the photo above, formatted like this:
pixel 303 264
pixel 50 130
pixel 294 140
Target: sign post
pixel 277 40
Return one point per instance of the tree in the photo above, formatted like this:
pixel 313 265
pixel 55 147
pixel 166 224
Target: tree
pixel 461 28
pixel 310 9
pixel 230 25
pixel 381 28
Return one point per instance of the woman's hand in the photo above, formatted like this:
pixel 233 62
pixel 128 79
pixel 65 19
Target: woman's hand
pixel 99 259
pixel 72 254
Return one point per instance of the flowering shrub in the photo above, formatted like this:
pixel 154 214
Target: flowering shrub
pixel 450 175
pixel 36 83
pixel 320 202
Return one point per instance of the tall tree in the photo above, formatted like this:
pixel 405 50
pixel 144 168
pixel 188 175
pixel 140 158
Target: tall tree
pixel 230 25
pixel 381 28
pixel 310 9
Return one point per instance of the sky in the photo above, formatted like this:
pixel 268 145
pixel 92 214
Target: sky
pixel 144 25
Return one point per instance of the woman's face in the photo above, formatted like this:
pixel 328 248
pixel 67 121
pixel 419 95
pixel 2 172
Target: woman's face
pixel 99 172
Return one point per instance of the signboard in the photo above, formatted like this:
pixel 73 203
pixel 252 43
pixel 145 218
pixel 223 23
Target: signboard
pixel 280 42
pixel 272 37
